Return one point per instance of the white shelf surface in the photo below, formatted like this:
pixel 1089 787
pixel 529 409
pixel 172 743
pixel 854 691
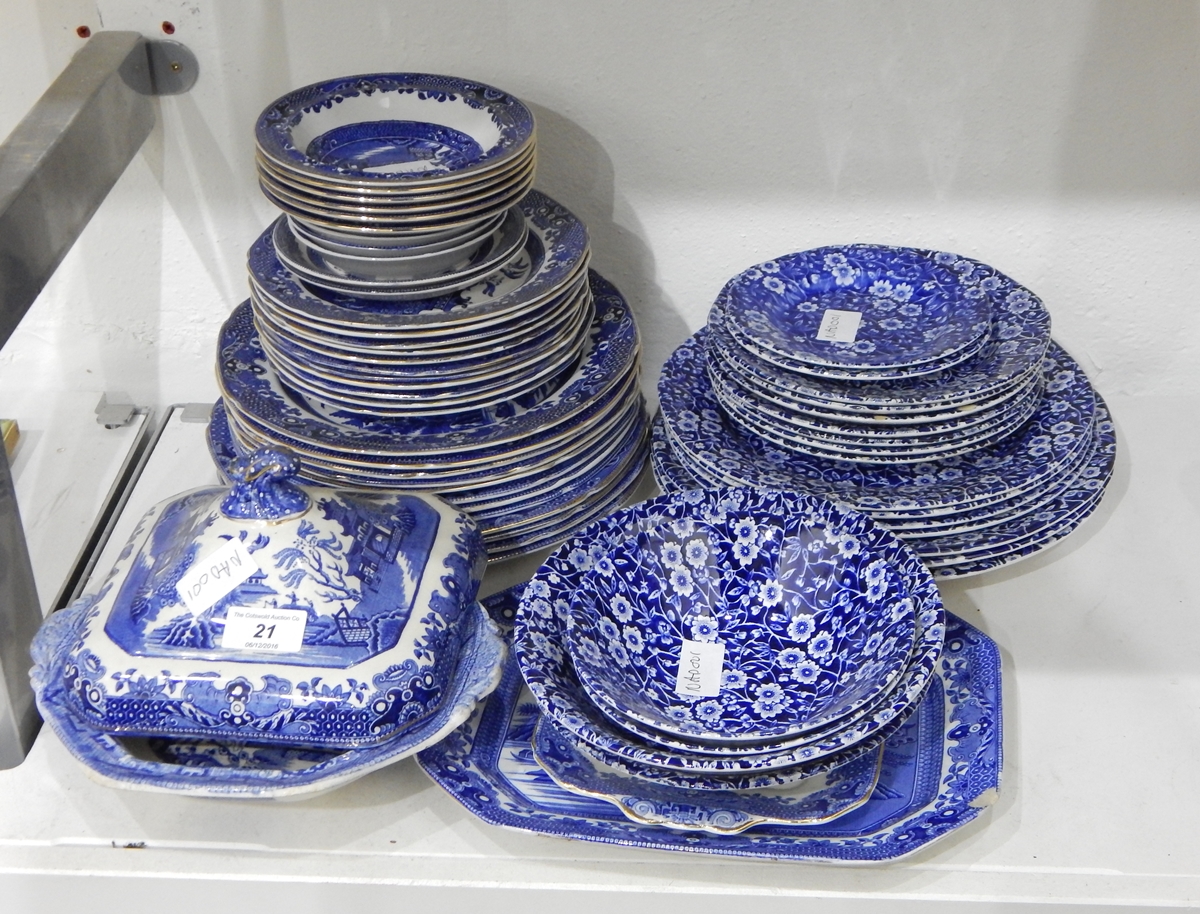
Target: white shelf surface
pixel 1099 806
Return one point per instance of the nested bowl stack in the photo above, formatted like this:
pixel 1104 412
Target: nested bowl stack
pixel 744 651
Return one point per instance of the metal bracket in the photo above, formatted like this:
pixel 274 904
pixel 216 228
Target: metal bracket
pixel 56 168
pixel 166 68
pixel 115 410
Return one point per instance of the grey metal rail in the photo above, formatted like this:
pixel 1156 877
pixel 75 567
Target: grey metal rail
pixel 56 168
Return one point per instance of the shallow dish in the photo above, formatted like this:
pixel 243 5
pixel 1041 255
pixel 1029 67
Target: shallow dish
pixel 393 128
pixel 940 771
pixel 820 798
pixel 907 306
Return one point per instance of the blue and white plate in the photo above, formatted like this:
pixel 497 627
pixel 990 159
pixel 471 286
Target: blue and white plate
pixel 246 770
pixel 554 253
pixel 940 771
pixel 1018 339
pixel 821 798
pixel 551 677
pixel 709 442
pixel 908 306
pixel 393 128
pixel 248 379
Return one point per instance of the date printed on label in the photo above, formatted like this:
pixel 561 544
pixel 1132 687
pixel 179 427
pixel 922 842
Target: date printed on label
pixel 275 630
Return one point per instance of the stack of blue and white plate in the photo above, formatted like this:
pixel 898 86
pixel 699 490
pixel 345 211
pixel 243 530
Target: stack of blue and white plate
pixel 735 671
pixel 420 319
pixel 918 386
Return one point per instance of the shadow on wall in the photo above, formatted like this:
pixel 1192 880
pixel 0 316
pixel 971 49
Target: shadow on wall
pixel 1133 124
pixel 575 170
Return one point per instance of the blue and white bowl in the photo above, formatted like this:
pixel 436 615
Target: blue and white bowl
pixel 812 625
pixel 544 613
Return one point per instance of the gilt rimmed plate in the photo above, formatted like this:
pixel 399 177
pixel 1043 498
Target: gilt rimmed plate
pixel 323 129
pixel 934 780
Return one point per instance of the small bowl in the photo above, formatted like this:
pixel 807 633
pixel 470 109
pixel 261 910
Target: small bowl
pixel 799 626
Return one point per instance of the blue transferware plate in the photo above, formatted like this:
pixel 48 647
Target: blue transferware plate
pixel 486 466
pixel 776 426
pixel 376 274
pixel 820 798
pixel 1017 342
pixel 935 779
pixel 912 305
pixel 393 128
pixel 814 633
pixel 711 444
pixel 247 378
pixel 214 768
pixel 321 352
pixel 879 428
pixel 547 668
pixel 360 600
pixel 556 247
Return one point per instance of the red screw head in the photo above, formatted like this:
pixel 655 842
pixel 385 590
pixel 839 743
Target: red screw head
pixel 83 32
pixel 169 28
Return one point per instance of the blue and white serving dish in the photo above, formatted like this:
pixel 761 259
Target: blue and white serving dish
pixel 940 770
pixel 276 614
pixel 249 770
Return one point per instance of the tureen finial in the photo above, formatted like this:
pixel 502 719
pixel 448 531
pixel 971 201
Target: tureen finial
pixel 261 487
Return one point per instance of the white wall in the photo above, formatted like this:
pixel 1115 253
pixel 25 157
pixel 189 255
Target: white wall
pixel 1057 141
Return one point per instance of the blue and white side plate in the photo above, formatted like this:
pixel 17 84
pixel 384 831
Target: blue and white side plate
pixel 247 378
pixel 706 439
pixel 237 770
pixel 935 779
pixel 821 798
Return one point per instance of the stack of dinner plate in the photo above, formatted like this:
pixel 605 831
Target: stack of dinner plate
pixel 720 660
pixel 918 386
pixel 460 346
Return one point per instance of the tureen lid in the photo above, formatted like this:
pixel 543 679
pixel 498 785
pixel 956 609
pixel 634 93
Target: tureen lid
pixel 274 612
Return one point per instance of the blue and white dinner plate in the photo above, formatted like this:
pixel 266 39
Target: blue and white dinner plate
pixel 393 129
pixel 248 380
pixel 708 441
pixel 911 306
pixel 241 770
pixel 940 771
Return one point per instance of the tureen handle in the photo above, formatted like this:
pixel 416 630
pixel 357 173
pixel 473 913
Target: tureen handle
pixel 262 489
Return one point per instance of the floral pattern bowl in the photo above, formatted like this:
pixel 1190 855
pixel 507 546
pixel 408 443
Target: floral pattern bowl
pixel 810 625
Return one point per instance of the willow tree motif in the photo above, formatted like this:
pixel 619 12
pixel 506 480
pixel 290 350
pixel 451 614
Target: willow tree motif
pixel 320 558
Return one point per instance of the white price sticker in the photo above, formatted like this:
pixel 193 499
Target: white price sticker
pixel 216 575
pixel 701 664
pixel 839 326
pixel 276 630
